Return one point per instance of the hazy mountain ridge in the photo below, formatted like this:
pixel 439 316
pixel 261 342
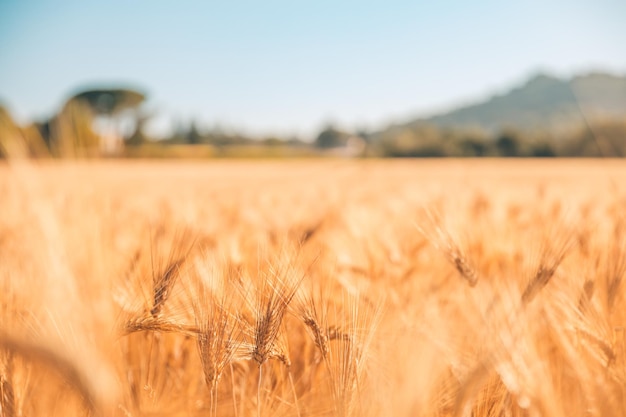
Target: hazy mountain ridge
pixel 544 102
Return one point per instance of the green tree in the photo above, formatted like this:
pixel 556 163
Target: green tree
pixel 110 106
pixel 542 150
pixel 138 137
pixel 192 136
pixel 473 147
pixel 330 137
pixel 110 101
pixel 508 144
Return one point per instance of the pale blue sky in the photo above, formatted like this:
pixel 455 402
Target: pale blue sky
pixel 287 67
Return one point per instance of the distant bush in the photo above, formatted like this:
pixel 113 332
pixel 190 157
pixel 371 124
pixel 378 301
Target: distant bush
pixel 331 138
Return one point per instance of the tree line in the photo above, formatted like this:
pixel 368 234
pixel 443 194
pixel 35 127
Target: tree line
pixel 111 122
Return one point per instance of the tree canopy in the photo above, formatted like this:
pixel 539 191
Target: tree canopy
pixel 110 101
pixel 331 138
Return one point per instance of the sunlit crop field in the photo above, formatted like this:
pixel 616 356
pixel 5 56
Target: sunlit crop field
pixel 313 288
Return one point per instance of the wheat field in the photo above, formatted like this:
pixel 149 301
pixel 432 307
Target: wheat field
pixel 313 288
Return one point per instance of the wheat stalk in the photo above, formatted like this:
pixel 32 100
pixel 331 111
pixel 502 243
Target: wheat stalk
pixel 433 231
pixel 164 277
pixel 553 251
pixel 77 377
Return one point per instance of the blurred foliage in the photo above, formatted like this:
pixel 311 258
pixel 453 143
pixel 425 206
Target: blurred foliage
pixel 602 138
pixel 88 125
pixel 508 144
pixel 138 136
pixel 110 106
pixel 20 142
pixel 330 137
pixel 72 132
pixel 110 101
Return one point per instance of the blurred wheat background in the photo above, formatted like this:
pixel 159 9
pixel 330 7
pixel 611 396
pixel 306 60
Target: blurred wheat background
pixel 451 288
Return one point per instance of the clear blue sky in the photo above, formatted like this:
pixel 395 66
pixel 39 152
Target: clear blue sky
pixel 287 67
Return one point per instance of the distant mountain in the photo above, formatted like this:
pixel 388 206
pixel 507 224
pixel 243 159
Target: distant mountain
pixel 544 102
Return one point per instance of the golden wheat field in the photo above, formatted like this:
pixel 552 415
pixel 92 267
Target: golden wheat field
pixel 313 288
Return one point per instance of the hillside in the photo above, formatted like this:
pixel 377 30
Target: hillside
pixel 543 102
